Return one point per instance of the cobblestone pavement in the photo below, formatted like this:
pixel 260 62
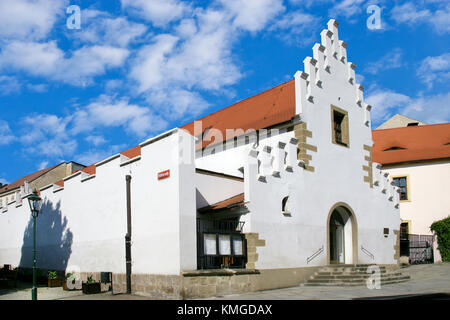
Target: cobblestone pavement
pixel 425 279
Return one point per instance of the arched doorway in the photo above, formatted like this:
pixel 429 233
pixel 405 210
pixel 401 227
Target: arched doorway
pixel 342 233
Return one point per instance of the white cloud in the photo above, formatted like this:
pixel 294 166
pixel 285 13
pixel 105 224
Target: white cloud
pixel 347 8
pixel 88 62
pixel 96 140
pixel 6 135
pixel 100 28
pixel 47 60
pixel 435 69
pixel 158 12
pixel 409 13
pixel 93 156
pixel 149 67
pixel 441 20
pixel 46 135
pixel 252 15
pixel 29 19
pixel 9 85
pixel 57 136
pixel 296 27
pixel 433 108
pixel 44 164
pixel 108 112
pixel 33 57
pixel 173 68
pixel 3 181
pixel 414 15
pixel 392 60
pixel 37 87
pixel 384 103
pixel 429 109
pixel 44 127
pixel 177 103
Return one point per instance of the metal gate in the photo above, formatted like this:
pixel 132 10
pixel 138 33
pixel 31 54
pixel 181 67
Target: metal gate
pixel 419 248
pixel 220 244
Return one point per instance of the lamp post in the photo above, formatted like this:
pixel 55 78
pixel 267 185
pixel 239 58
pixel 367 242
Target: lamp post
pixel 35 203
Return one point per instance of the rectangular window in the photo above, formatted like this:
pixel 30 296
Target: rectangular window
pixel 338 119
pixel 402 183
pixel 224 245
pixel 210 244
pixel 339 126
pixel 237 246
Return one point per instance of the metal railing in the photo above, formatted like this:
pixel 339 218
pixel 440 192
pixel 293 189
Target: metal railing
pixel 314 255
pixel 367 252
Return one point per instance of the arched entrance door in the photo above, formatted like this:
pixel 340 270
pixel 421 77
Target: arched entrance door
pixel 342 235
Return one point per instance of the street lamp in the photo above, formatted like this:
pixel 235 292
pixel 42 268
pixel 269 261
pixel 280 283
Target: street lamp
pixel 35 203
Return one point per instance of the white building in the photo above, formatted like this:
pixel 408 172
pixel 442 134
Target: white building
pixel 417 159
pixel 269 205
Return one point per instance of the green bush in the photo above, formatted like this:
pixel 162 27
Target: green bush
pixel 442 230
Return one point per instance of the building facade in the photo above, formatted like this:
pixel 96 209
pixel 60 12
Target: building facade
pixel 256 196
pixel 417 160
pixel 36 180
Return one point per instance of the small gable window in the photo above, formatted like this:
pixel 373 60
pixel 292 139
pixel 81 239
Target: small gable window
pixel 339 123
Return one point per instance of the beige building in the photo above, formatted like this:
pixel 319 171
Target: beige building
pixel 400 121
pixel 36 180
pixel 417 159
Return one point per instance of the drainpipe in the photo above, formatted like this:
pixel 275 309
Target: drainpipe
pixel 128 235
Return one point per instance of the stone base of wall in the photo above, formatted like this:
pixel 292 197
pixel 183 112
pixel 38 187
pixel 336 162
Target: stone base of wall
pixel 211 283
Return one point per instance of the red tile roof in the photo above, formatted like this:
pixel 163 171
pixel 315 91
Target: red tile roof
pixel 408 144
pixel 29 178
pixel 263 110
pixel 133 152
pixel 92 169
pixel 233 201
pixel 60 183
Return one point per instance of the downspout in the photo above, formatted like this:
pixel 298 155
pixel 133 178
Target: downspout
pixel 128 235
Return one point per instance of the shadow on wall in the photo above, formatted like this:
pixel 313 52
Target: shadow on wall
pixel 53 240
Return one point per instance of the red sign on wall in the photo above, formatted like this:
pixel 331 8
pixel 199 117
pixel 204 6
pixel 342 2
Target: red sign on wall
pixel 163 174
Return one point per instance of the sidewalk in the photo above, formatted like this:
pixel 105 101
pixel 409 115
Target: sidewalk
pixel 425 279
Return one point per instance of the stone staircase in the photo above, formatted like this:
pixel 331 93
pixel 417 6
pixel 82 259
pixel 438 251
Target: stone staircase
pixel 352 275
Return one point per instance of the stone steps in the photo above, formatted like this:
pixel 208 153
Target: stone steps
pixel 352 275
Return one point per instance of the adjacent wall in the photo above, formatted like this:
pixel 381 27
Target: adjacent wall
pixel 82 225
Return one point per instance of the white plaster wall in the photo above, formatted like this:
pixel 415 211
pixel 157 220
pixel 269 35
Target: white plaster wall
pixel 212 189
pixel 96 215
pixel 429 201
pixel 290 240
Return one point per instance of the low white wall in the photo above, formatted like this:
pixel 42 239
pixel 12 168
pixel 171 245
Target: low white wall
pixel 92 216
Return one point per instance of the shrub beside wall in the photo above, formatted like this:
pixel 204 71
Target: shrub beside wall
pixel 442 230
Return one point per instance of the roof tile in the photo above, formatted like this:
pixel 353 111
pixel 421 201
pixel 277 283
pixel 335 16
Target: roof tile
pixel 426 142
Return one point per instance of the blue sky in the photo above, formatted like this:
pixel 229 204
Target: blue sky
pixel 136 68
